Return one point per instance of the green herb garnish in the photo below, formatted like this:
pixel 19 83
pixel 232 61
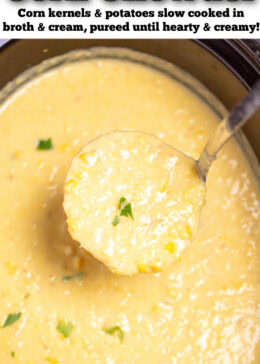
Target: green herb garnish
pixel 44 144
pixel 125 208
pixel 121 201
pixel 11 319
pixel 13 354
pixel 64 328
pixel 115 221
pixel 127 211
pixel 115 329
pixel 69 278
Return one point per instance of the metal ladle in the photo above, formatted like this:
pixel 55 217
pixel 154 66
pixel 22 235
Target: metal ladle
pixel 134 253
pixel 226 129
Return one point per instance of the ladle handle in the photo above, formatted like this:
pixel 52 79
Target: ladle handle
pixel 230 124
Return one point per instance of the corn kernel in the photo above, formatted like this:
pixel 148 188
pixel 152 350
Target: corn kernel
pixel 237 285
pixel 70 185
pixel 188 229
pixel 104 254
pixel 142 268
pixel 40 164
pixel 170 247
pixel 185 233
pixel 141 139
pixel 154 308
pixel 52 361
pixel 83 157
pixel 64 147
pixel 155 268
pixel 11 268
pixel 80 175
pixel 73 223
pixel 164 186
pixel 17 154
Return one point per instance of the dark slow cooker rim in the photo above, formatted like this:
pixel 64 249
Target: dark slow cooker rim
pixel 242 58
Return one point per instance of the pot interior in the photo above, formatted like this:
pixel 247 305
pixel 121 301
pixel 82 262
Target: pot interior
pixel 227 78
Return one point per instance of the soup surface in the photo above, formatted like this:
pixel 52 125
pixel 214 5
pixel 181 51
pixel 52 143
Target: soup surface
pixel 157 220
pixel 58 303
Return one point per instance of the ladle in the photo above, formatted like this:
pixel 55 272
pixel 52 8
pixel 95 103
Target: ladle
pixel 134 202
pixel 226 129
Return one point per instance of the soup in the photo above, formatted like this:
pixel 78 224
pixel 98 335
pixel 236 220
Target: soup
pixel 61 305
pixel 158 220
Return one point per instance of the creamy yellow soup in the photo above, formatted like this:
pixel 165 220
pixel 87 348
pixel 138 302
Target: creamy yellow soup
pixel 155 223
pixel 61 305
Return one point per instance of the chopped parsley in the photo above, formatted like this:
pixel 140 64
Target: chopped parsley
pixel 13 354
pixel 117 330
pixel 115 221
pixel 69 278
pixel 127 211
pixel 64 328
pixel 11 319
pixel 121 201
pixel 44 144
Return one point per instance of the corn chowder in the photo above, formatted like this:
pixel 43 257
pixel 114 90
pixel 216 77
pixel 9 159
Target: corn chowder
pixel 58 303
pixel 166 194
